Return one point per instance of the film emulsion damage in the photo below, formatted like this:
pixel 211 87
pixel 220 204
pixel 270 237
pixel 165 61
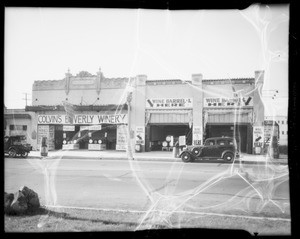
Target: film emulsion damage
pixel 194 120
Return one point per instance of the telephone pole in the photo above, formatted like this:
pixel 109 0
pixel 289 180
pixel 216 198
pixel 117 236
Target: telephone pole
pixel 25 98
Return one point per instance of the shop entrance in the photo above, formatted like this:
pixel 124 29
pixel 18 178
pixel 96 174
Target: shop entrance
pixel 158 134
pixel 58 137
pixel 240 132
pixel 82 135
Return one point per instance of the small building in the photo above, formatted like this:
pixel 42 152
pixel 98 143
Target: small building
pixel 283 127
pixel 19 122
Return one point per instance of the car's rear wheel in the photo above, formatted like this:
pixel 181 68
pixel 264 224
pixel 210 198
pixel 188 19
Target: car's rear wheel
pixel 12 153
pixel 24 154
pixel 228 157
pixel 186 157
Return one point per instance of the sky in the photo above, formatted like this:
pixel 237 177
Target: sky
pixel 43 43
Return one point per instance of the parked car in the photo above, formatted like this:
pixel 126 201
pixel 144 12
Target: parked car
pixel 16 146
pixel 224 148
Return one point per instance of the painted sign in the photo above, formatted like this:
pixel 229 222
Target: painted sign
pixel 83 119
pixel 258 136
pixel 169 103
pixel 228 102
pixel 121 137
pixel 140 135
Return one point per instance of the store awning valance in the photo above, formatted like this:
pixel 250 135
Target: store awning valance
pixel 228 117
pixel 169 117
pixel 17 116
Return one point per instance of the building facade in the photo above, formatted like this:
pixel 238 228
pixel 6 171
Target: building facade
pixel 88 111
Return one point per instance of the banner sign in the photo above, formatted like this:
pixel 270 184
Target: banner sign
pixel 169 103
pixel 227 102
pixel 258 136
pixel 83 119
pixel 140 135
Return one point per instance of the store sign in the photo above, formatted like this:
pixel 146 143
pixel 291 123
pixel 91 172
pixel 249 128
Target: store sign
pixel 228 102
pixel 140 135
pixel 169 103
pixel 258 136
pixel 69 128
pixel 83 119
pixel 95 127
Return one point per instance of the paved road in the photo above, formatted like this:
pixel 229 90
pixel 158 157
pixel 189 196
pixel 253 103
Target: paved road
pixel 249 190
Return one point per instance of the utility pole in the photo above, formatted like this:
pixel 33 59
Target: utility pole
pixel 25 98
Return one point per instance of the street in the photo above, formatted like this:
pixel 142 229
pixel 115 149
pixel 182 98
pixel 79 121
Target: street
pixel 241 190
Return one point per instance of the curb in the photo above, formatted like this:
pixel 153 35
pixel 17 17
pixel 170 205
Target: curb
pixel 177 160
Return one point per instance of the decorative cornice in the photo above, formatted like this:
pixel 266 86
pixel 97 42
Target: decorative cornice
pixel 77 108
pixel 228 81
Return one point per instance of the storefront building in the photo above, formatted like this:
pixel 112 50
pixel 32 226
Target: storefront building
pixel 80 112
pixel 94 112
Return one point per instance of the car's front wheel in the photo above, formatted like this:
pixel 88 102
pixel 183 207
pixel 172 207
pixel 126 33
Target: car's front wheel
pixel 228 157
pixel 196 151
pixel 24 154
pixel 186 157
pixel 12 153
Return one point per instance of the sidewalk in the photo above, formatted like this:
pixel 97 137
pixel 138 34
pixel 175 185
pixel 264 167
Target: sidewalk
pixel 144 156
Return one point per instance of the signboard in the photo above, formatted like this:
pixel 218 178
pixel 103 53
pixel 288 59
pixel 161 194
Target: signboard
pixel 169 103
pixel 121 137
pixel 140 135
pixel 228 102
pixel 197 135
pixel 83 119
pixel 258 136
pixel 69 128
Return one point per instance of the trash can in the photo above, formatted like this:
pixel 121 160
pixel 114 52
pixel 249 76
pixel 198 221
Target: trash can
pixel 44 147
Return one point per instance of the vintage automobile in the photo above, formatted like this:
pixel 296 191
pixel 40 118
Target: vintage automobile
pixel 224 148
pixel 16 146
